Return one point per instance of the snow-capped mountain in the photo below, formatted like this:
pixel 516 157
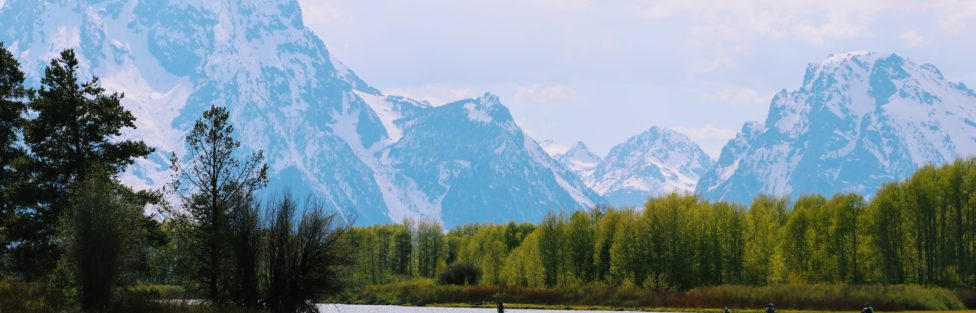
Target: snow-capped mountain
pixel 657 161
pixel 580 160
pixel 324 130
pixel 859 120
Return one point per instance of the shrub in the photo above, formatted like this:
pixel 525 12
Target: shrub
pixel 791 296
pixel 302 260
pixel 30 297
pixel 460 274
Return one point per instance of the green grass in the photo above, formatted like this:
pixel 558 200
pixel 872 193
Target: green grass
pixel 793 296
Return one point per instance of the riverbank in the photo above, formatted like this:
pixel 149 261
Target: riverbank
pixel 820 297
pixel 529 308
pixel 532 308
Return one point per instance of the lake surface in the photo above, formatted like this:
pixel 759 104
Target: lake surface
pixel 346 308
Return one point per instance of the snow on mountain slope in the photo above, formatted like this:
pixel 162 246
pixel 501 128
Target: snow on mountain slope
pixel 323 129
pixel 580 160
pixel 447 150
pixel 859 120
pixel 657 161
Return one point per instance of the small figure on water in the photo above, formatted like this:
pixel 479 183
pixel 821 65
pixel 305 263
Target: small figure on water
pixel 770 308
pixel 501 306
pixel 867 308
pixel 726 310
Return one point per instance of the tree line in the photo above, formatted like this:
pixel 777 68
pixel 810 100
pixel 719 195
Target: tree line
pixel 68 224
pixel 918 231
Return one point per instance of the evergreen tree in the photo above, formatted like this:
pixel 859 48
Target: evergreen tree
pixel 77 126
pixel 212 185
pixel 12 106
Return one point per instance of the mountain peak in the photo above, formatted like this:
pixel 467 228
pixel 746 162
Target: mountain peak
pixel 579 145
pixel 844 64
pixel 859 120
pixel 325 131
pixel 579 152
pixel 489 99
pixel 656 161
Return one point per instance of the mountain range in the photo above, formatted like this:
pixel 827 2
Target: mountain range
pixel 655 162
pixel 859 120
pixel 325 131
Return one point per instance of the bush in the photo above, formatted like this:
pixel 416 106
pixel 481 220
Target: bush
pixel 460 274
pixel 794 296
pixel 30 297
pixel 303 261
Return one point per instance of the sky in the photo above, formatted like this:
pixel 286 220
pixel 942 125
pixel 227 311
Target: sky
pixel 603 71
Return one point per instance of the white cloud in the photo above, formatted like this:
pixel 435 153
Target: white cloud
pixel 912 38
pixel 814 21
pixel 543 95
pixel 740 97
pixel 955 15
pixel 435 94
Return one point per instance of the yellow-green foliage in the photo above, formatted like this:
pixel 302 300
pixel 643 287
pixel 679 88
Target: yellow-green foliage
pixel 524 267
pixel 486 250
pixel 920 231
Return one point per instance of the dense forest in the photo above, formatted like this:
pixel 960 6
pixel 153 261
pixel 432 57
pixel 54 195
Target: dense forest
pixel 919 231
pixel 73 237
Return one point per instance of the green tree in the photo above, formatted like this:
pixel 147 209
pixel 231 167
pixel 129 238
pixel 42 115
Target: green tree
pixel 101 237
pixel 403 250
pixel 12 107
pixel 486 250
pixel 212 184
pixel 524 266
pixel 762 234
pixel 430 248
pixel 799 243
pixel 603 243
pixel 731 220
pixel 846 237
pixel 631 258
pixel 76 127
pixel 551 249
pixel 888 223
pixel 581 241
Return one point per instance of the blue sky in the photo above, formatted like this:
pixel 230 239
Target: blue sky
pixel 602 71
